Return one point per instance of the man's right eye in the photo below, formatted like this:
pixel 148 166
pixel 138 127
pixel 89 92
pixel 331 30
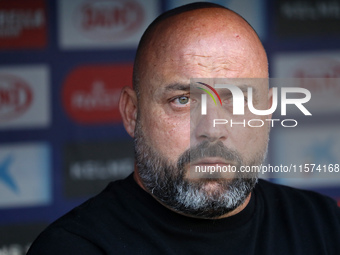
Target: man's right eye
pixel 181 101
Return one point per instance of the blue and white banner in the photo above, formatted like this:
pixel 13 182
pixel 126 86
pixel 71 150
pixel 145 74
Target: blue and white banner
pixel 25 175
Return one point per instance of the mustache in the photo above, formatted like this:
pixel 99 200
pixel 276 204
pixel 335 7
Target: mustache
pixel 208 149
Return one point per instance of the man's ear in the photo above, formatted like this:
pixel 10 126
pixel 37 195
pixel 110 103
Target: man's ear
pixel 128 109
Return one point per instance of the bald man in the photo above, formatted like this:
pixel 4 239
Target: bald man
pixel 159 209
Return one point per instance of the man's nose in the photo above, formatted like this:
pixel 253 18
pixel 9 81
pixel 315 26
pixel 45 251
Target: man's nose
pixel 204 128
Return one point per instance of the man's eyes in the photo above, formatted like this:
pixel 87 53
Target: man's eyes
pixel 181 101
pixel 229 99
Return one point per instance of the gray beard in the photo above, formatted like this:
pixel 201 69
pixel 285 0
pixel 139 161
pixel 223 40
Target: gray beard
pixel 167 183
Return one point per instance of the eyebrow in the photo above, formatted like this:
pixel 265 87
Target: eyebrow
pixel 186 87
pixel 177 86
pixel 244 88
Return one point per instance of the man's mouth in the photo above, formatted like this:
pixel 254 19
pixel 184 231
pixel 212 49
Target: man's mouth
pixel 211 168
pixel 211 161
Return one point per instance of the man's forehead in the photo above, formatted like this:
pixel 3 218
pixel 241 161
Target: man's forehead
pixel 195 24
pixel 177 47
pixel 203 16
pixel 176 50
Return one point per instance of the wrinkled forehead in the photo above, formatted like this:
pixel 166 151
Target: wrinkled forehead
pixel 202 43
pixel 195 25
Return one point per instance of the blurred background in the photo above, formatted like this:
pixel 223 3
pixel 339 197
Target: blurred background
pixel 63 64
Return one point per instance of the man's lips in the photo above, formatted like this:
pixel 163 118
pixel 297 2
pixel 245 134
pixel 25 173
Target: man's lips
pixel 211 161
pixel 210 168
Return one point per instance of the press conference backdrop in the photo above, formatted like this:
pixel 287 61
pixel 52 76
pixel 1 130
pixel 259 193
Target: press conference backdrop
pixel 62 66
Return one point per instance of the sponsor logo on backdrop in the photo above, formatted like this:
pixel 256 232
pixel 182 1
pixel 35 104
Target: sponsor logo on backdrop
pixel 313 153
pixel 317 67
pixel 89 167
pixel 25 175
pixel 109 19
pixel 91 93
pixel 104 23
pixel 300 18
pixel 16 239
pixel 327 68
pixel 22 24
pixel 15 97
pixel 24 97
pixel 307 65
pixel 319 72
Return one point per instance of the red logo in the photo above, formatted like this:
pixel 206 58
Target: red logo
pixel 91 93
pixel 109 19
pixel 22 24
pixel 15 97
pixel 319 68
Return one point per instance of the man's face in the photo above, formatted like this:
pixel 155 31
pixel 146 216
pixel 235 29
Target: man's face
pixel 164 134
